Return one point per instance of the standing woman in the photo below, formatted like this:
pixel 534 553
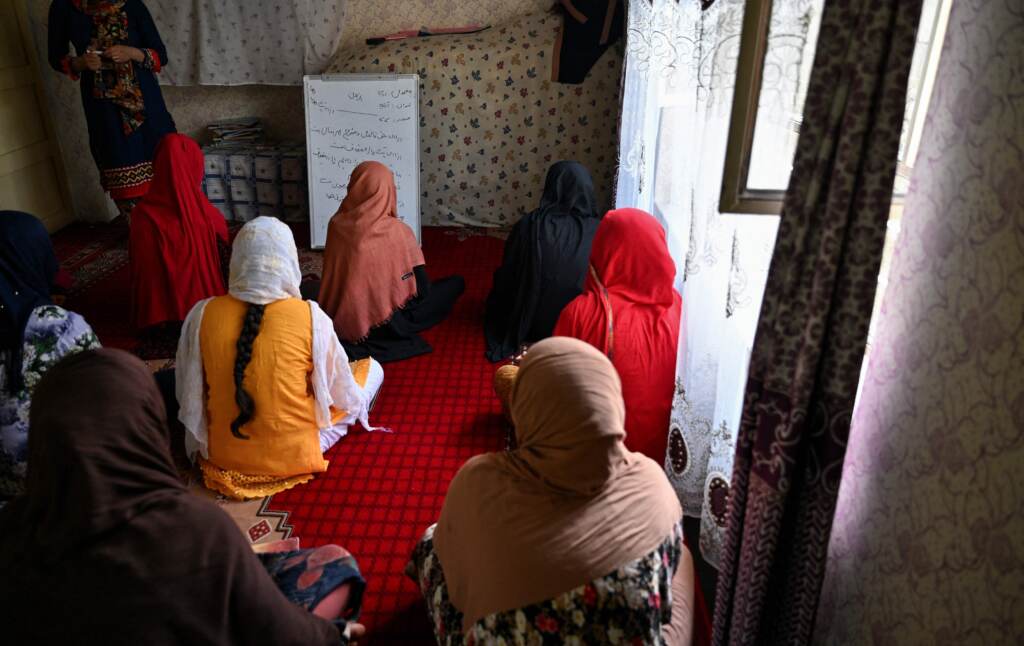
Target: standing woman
pixel 117 54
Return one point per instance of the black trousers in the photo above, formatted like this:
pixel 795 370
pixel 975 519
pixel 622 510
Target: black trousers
pixel 399 338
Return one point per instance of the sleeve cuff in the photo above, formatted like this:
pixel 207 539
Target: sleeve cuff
pixel 151 60
pixel 65 66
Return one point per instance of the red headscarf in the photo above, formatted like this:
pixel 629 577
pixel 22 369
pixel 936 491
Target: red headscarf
pixel 630 310
pixel 369 256
pixel 173 242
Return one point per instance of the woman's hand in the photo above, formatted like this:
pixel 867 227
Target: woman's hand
pixel 355 632
pixel 518 358
pixel 123 54
pixel 88 61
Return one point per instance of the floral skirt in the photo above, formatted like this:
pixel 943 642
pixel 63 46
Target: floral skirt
pixel 306 577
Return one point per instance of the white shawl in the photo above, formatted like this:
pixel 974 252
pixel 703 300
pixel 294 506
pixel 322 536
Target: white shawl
pixel 265 269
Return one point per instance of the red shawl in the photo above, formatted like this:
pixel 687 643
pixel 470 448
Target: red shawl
pixel 369 256
pixel 173 241
pixel 630 310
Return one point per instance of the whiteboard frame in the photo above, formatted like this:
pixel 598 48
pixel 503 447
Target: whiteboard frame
pixel 309 152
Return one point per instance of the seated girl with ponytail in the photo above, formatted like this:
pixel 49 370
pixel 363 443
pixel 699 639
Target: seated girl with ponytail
pixel 263 385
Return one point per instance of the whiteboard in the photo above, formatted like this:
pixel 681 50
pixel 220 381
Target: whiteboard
pixel 352 118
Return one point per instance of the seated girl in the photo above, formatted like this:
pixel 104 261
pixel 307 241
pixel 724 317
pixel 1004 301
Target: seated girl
pixel 545 262
pixel 263 385
pixel 375 285
pixel 570 538
pixel 175 235
pixel 629 310
pixel 108 546
pixel 34 335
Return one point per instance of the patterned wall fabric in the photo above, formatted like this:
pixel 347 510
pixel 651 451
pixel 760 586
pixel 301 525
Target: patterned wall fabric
pixel 492 121
pixel 236 43
pixel 928 541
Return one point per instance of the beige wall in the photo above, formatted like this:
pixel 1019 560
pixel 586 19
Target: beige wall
pixel 89 202
pixel 31 172
pixel 280 108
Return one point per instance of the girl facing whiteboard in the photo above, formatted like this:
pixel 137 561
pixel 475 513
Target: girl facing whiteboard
pixel 263 385
pixel 375 285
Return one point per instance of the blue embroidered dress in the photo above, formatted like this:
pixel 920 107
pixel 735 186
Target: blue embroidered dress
pixel 124 107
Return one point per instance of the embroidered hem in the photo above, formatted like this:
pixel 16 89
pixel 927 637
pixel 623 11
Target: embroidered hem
pixel 241 486
pixel 127 181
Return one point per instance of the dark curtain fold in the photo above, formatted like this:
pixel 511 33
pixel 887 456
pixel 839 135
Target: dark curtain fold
pixel 814 323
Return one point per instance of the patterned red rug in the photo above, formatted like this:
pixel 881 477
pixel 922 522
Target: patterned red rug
pixel 382 489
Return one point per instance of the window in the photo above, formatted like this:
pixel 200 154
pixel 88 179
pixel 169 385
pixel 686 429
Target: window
pixel 776 55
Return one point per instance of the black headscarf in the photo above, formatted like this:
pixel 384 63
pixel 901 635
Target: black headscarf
pixel 108 546
pixel 545 263
pixel 27 270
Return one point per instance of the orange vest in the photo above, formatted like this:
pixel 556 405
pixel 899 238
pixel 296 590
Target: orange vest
pixel 284 438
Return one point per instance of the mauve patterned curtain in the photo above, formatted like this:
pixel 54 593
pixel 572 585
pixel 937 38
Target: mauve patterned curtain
pixel 927 544
pixel 814 323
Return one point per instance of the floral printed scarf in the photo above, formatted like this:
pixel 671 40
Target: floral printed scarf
pixel 114 81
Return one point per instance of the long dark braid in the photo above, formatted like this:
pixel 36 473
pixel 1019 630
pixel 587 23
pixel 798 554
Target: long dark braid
pixel 243 355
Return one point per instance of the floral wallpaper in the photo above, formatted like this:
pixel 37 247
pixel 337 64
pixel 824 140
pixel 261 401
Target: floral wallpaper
pixel 492 121
pixel 928 541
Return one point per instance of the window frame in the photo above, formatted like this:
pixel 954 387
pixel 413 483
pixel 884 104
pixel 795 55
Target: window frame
pixel 736 196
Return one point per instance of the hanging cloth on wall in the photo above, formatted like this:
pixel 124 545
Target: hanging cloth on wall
pixel 245 43
pixel 589 27
pixel 114 81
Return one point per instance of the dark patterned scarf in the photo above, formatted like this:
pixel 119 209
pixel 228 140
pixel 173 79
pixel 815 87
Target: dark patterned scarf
pixel 27 269
pixel 114 81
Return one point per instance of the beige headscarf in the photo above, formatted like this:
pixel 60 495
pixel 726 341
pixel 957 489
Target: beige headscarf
pixel 570 505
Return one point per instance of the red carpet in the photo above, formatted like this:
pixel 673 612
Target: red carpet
pixel 382 489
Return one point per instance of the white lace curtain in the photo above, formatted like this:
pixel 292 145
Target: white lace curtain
pixel 272 42
pixel 680 72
